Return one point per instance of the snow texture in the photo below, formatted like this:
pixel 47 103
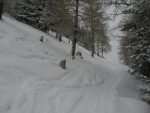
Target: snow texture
pixel 31 80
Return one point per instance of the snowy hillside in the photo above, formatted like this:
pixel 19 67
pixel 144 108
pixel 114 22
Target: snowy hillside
pixel 31 80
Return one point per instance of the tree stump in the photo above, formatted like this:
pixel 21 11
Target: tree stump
pixel 79 54
pixel 42 39
pixel 63 64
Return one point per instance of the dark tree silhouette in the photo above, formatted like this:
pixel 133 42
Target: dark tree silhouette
pixel 75 30
pixel 1 8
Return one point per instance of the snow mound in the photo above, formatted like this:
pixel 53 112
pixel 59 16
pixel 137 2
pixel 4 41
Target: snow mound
pixel 31 80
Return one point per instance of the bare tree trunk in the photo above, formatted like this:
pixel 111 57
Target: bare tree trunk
pixel 98 53
pixel 98 48
pixel 75 30
pixel 93 41
pixel 102 51
pixel 1 8
pixel 56 35
pixel 93 48
pixel 60 37
pixel 92 31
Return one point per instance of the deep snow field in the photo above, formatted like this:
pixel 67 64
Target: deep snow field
pixel 31 80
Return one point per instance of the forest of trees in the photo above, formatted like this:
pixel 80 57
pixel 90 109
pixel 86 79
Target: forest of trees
pixel 84 22
pixel 63 17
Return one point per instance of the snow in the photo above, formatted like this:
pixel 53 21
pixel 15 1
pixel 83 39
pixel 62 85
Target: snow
pixel 31 80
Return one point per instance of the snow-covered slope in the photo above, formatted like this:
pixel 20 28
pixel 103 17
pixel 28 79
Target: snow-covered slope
pixel 31 80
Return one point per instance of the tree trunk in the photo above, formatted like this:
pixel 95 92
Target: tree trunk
pixel 93 49
pixel 102 51
pixel 75 30
pixel 60 37
pixel 1 8
pixel 98 53
pixel 92 31
pixel 56 35
pixel 93 46
pixel 98 48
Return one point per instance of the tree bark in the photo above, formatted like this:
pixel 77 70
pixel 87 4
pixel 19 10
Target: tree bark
pixel 1 8
pixel 75 30
pixel 102 51
pixel 56 35
pixel 98 48
pixel 60 37
pixel 93 41
pixel 93 48
pixel 92 30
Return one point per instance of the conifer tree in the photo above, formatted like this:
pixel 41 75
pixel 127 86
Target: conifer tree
pixel 43 15
pixel 137 37
pixel 31 12
pixel 135 45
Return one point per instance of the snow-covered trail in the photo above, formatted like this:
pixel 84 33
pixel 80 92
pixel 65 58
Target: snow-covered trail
pixel 31 80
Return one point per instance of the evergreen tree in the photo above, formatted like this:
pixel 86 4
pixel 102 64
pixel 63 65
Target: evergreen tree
pixel 43 15
pixel 31 12
pixel 27 12
pixel 137 35
pixel 136 42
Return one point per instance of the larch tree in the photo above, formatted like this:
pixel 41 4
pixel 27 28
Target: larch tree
pixel 91 18
pixel 59 18
pixel 102 40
